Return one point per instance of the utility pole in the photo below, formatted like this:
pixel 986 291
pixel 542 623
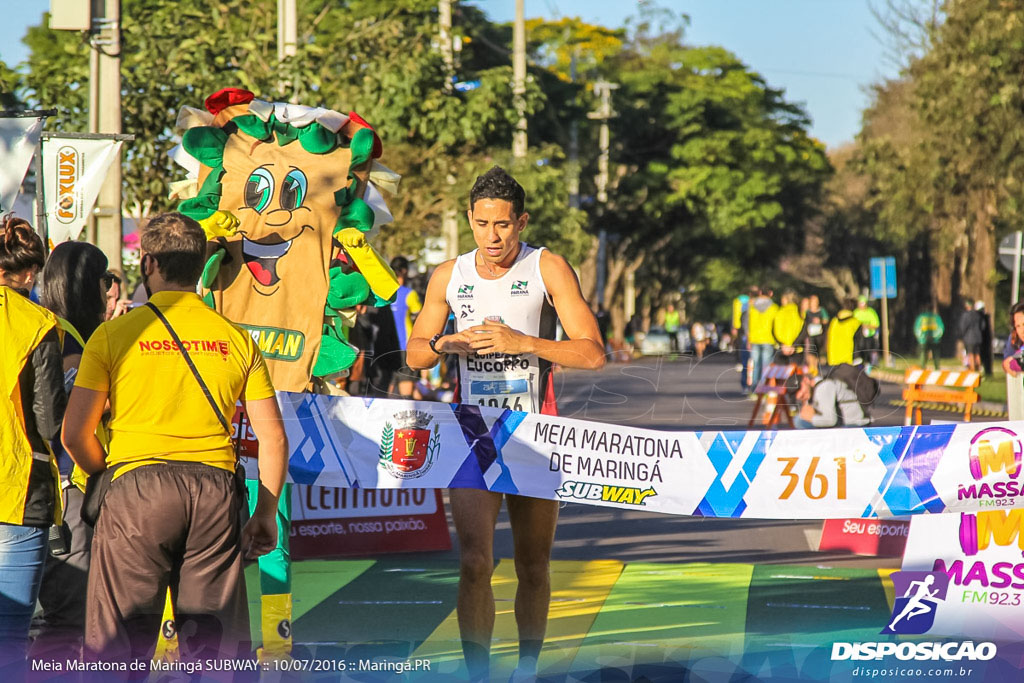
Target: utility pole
pixel 449 222
pixel 287 29
pixel 94 111
pixel 519 80
pixel 287 41
pixel 603 89
pixel 574 144
pixel 444 41
pixel 107 43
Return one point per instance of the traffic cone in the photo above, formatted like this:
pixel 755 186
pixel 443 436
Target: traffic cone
pixel 771 400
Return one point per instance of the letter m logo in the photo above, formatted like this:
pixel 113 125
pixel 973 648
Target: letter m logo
pixel 995 449
pixel 736 457
pixel 1003 527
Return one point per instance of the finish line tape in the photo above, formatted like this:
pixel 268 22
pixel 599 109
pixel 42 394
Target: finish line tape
pixel 391 445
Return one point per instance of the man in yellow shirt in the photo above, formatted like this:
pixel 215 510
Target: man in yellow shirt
pixel 172 514
pixel 844 331
pixel 761 319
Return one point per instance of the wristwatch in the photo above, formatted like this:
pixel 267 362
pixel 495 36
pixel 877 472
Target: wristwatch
pixel 433 340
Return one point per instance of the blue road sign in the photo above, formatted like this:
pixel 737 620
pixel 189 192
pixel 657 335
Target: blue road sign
pixel 883 269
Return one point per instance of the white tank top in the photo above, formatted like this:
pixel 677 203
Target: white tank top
pixel 521 301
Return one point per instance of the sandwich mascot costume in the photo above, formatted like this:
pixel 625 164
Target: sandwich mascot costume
pixel 286 195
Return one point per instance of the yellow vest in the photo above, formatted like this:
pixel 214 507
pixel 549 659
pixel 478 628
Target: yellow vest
pixel 788 323
pixel 760 330
pixel 23 325
pixel 841 330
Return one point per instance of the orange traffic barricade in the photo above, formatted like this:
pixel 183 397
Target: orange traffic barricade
pixel 956 387
pixel 771 392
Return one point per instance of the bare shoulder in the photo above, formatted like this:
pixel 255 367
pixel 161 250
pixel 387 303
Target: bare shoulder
pixel 554 268
pixel 443 273
pixel 439 280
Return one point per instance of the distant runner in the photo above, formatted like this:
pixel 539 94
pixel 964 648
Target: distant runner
pixel 505 296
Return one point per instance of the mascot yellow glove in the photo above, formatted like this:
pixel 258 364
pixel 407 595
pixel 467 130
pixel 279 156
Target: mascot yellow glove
pixel 351 238
pixel 219 224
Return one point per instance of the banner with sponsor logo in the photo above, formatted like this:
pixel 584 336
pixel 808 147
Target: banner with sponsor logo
pixel 328 522
pixel 865 537
pixel 978 554
pixel 19 137
pixel 804 474
pixel 73 171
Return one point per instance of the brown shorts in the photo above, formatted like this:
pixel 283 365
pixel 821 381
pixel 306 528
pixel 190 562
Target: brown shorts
pixel 171 526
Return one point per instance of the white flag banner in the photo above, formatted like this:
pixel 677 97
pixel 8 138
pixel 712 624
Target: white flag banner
pixel 18 139
pixel 73 172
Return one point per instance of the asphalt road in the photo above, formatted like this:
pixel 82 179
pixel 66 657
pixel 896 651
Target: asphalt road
pixel 682 394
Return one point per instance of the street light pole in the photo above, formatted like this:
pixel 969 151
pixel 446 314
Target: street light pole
pixel 519 80
pixel 604 90
pixel 109 213
pixel 449 220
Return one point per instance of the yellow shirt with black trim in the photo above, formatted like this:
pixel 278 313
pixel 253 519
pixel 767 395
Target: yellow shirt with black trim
pixel 157 409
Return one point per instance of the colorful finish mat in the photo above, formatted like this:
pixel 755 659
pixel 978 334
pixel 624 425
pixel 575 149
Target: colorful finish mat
pixel 607 618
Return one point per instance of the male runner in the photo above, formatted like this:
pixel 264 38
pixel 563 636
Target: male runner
pixel 505 295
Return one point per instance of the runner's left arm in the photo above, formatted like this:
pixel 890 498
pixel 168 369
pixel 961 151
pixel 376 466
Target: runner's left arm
pixel 582 349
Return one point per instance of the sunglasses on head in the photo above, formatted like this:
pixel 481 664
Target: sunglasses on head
pixel 109 279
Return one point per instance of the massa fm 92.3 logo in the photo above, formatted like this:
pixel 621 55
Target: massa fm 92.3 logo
pixel 995 453
pixel 408 448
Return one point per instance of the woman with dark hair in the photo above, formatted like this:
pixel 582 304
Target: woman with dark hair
pixel 75 284
pixel 1015 343
pixel 31 410
pixel 1013 363
pixel 74 288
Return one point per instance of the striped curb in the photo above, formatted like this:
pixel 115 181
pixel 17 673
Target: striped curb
pixel 986 410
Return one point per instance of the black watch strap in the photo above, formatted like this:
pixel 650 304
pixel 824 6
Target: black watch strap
pixel 433 340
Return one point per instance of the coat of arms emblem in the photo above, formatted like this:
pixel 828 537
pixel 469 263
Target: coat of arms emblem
pixel 408 447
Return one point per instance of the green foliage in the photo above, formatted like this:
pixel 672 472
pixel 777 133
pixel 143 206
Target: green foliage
pixel 713 175
pixel 941 153
pixel 718 167
pixel 553 44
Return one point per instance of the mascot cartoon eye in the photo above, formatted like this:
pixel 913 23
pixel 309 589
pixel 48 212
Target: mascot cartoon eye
pixel 293 190
pixel 259 189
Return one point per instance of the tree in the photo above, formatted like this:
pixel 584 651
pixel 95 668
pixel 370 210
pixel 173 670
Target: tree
pixel 347 57
pixel 717 175
pixel 941 148
pixel 970 98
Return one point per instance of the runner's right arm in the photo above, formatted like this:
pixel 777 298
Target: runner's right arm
pixel 431 322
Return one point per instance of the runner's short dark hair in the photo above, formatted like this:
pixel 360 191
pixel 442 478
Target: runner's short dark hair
pixel 498 184
pixel 178 244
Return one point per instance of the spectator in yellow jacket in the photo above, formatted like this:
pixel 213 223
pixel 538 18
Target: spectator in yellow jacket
pixel 788 328
pixel 843 332
pixel 761 317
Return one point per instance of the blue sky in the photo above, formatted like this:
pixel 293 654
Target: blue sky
pixel 821 52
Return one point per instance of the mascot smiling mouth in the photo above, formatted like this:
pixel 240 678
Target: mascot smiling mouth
pixel 261 259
